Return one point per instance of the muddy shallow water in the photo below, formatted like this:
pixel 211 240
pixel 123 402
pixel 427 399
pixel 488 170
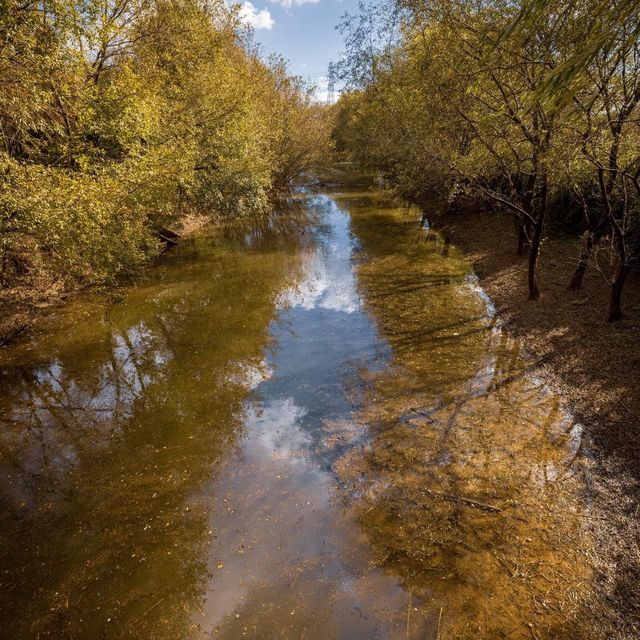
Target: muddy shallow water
pixel 311 428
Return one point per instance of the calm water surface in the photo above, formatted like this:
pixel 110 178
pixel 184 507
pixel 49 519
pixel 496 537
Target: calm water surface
pixel 308 428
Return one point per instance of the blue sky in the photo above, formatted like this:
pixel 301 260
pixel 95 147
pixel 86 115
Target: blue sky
pixel 302 31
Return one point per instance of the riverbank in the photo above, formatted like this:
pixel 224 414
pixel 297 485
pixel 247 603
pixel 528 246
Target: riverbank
pixel 41 290
pixel 593 364
pixel 338 370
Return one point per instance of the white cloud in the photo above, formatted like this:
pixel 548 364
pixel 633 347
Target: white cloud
pixel 321 89
pixel 253 18
pixel 329 281
pixel 287 4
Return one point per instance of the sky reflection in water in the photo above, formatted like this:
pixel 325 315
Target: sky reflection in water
pixel 269 439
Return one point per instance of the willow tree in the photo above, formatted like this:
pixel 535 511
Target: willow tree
pixel 119 116
pixel 503 101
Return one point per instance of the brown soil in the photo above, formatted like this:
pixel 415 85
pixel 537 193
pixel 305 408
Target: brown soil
pixel 596 366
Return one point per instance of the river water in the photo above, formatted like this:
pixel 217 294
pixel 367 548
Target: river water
pixel 313 427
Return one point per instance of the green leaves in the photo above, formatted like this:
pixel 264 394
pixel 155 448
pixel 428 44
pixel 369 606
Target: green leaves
pixel 118 116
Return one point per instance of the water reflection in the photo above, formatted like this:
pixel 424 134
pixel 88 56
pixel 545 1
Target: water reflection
pixel 471 488
pixel 53 409
pixel 288 560
pixel 311 427
pixel 330 282
pixel 106 439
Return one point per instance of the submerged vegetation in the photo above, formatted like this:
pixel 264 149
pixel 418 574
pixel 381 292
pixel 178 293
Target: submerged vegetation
pixel 119 117
pixel 530 107
pixel 468 489
pixel 317 424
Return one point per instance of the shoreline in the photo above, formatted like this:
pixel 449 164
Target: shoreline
pixel 23 307
pixel 594 366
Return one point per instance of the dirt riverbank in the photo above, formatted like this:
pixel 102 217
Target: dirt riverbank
pixel 596 367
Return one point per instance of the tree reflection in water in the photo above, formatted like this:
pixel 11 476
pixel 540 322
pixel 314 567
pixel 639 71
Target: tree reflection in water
pixel 105 439
pixel 471 487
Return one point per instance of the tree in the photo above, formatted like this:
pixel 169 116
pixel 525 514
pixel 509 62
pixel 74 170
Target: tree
pixel 462 99
pixel 119 116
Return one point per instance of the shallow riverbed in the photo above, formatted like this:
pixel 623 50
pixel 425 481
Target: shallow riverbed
pixel 311 428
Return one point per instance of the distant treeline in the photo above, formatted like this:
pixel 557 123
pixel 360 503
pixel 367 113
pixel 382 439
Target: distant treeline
pixel 530 105
pixel 118 117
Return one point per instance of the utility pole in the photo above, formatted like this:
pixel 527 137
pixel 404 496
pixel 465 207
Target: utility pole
pixel 331 83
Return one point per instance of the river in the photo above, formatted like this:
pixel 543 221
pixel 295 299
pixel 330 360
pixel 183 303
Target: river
pixel 312 427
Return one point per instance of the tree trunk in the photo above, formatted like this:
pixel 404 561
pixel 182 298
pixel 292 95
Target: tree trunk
pixel 534 291
pixel 524 231
pixel 523 235
pixel 578 274
pixel 615 301
pixel 534 249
